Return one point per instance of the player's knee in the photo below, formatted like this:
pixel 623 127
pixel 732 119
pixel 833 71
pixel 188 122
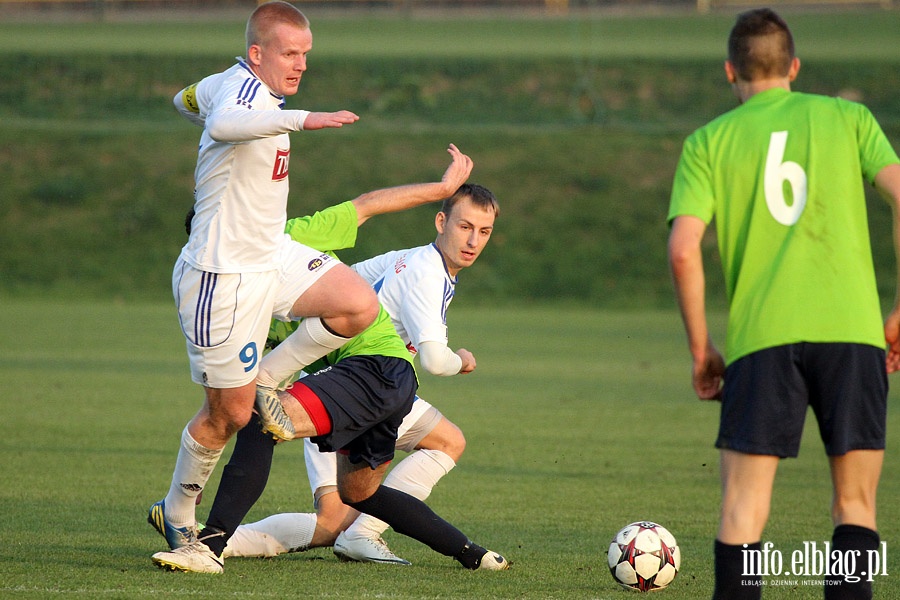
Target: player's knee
pixel 456 444
pixel 446 438
pixel 740 524
pixel 229 410
pixel 351 496
pixel 363 309
pixel 229 419
pixel 356 310
pixel 453 444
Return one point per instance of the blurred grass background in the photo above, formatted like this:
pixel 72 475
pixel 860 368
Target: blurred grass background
pixel 574 122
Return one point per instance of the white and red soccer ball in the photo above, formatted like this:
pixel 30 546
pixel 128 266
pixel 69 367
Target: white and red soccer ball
pixel 644 557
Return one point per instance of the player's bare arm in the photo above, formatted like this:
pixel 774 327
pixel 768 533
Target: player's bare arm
pixel 686 264
pixel 887 182
pixel 404 197
pixel 325 120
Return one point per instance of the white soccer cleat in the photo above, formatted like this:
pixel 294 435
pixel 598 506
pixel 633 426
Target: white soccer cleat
pixel 493 562
pixel 193 558
pixel 274 420
pixel 365 550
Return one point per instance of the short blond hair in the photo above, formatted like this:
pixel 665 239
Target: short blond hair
pixel 267 15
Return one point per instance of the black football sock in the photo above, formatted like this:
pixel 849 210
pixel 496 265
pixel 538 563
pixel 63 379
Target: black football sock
pixel 471 555
pixel 243 481
pixel 731 583
pixel 412 517
pixel 859 541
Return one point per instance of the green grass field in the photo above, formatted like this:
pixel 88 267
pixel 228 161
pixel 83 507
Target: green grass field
pixel 578 422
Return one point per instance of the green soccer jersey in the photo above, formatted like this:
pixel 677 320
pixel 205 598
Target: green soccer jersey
pixel 327 230
pixel 782 174
pixel 335 228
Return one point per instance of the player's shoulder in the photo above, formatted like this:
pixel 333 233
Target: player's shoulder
pixel 700 136
pixel 404 269
pixel 397 260
pixel 238 84
pixel 427 267
pixel 425 258
pixel 821 100
pixel 834 111
pixel 820 108
pixel 217 80
pixel 239 70
pixel 428 252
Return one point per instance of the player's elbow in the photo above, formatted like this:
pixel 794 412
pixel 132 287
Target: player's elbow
pixel 430 366
pixel 680 256
pixel 887 182
pixel 684 244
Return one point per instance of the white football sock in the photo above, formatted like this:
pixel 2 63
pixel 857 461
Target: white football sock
pixel 311 341
pixel 194 465
pixel 417 474
pixel 278 534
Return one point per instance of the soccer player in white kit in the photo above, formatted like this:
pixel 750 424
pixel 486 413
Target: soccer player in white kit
pixel 415 286
pixel 238 270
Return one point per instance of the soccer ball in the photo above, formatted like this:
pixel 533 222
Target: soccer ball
pixel 644 556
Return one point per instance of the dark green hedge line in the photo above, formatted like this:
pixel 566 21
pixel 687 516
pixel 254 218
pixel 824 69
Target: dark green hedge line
pixel 98 168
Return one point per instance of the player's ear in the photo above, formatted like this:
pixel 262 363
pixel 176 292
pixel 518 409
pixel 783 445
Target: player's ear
pixel 730 73
pixel 440 219
pixel 794 69
pixel 253 54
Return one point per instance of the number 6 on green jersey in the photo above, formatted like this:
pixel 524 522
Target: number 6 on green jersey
pixel 777 172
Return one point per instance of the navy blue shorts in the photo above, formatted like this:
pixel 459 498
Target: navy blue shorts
pixel 366 398
pixel 766 395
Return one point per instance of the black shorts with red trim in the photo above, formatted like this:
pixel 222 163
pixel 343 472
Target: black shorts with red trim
pixel 367 398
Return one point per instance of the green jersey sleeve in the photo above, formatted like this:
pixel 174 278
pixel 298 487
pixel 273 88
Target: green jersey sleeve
pixel 333 228
pixel 692 190
pixel 875 150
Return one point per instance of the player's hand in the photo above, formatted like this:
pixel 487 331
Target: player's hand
pixel 708 374
pixel 468 361
pixel 323 120
pixel 892 338
pixel 458 171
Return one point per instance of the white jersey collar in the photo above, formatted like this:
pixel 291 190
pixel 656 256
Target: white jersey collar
pixel 444 262
pixel 243 64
